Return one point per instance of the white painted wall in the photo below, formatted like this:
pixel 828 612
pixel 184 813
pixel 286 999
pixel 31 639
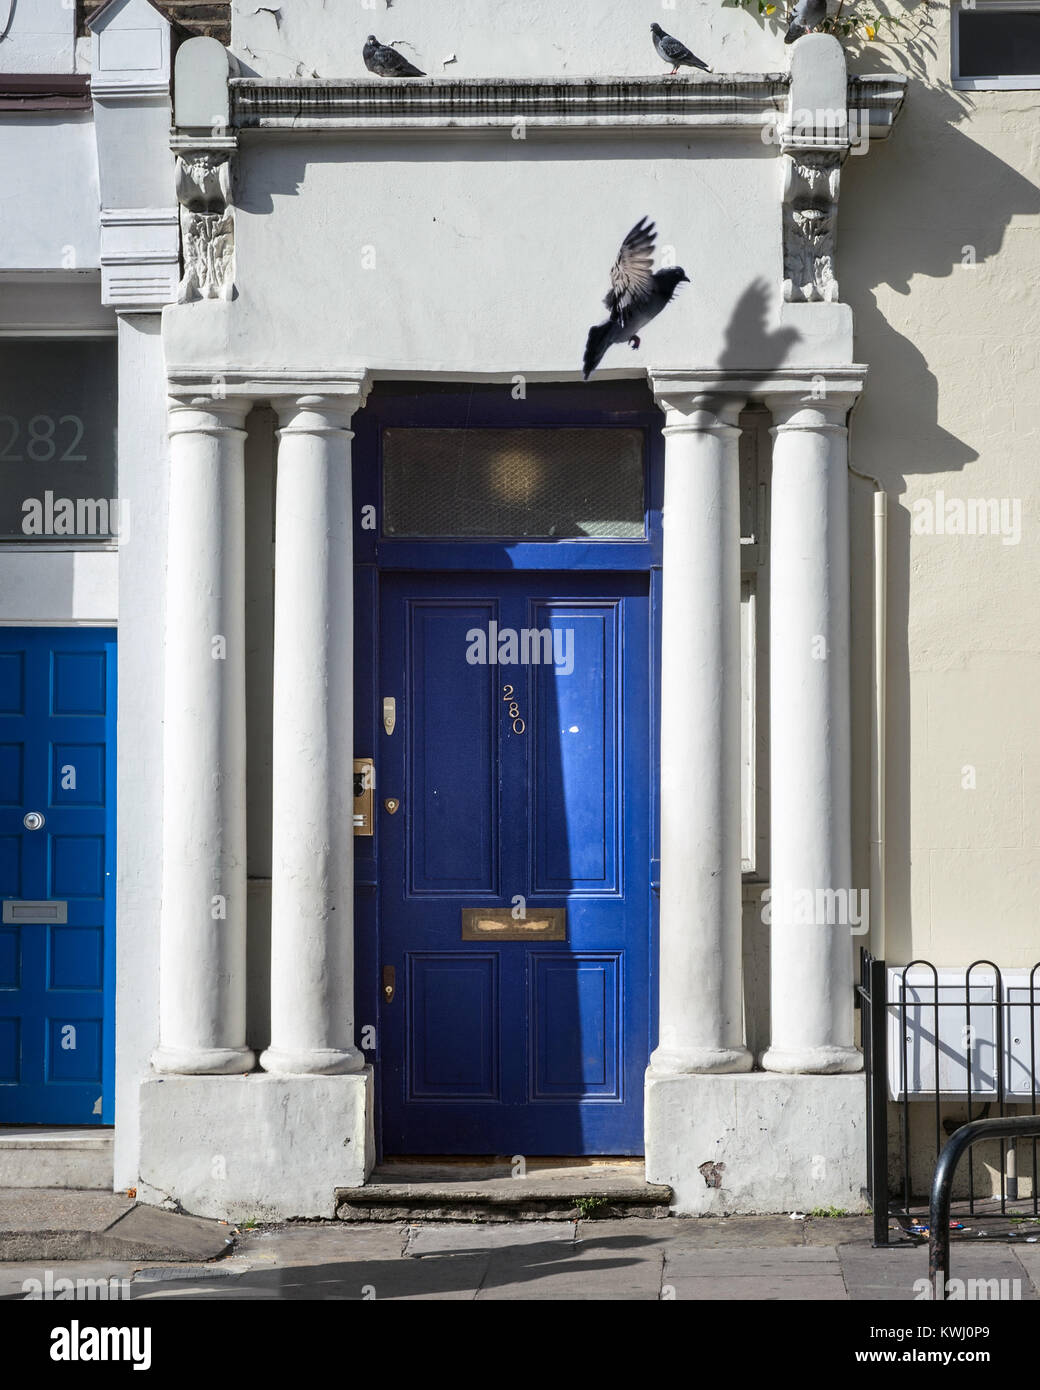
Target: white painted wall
pixel 59 587
pixel 41 37
pixel 520 38
pixel 478 254
pixel 48 191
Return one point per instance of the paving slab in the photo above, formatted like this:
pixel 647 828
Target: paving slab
pixel 477 1237
pixel 840 1230
pixel 317 1244
pixel 796 1267
pixel 558 1272
pixel 734 1232
pixel 893 1274
pixel 828 1288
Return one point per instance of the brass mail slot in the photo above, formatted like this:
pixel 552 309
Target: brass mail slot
pixel 499 924
pixel 35 911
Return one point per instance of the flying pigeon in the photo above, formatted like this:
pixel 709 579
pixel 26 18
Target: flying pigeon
pixel 385 61
pixel 674 52
pixel 637 295
pixel 807 15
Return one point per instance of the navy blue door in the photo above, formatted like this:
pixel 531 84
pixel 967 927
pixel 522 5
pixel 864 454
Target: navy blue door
pixel 57 880
pixel 523 777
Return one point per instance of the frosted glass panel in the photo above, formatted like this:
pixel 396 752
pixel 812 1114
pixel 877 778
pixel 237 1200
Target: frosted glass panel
pixel 513 482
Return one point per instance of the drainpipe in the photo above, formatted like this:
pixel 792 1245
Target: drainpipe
pixel 879 668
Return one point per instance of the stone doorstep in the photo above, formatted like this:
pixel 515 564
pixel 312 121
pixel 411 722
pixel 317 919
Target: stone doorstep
pixel 561 1198
pixel 73 1157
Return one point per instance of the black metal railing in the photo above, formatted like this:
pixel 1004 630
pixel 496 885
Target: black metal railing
pixel 1007 1127
pixel 961 1076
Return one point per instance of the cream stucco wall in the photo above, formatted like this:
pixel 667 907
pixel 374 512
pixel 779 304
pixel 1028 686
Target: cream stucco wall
pixel 952 407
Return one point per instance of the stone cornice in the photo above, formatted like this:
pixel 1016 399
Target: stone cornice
pixel 722 101
pixel 794 383
pixel 268 384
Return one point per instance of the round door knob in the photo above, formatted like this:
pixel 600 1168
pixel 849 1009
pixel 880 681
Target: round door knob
pixel 32 820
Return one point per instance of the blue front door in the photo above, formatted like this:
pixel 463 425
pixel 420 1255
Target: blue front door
pixel 515 870
pixel 57 880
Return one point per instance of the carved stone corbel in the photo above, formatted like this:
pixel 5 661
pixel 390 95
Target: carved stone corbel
pixel 810 210
pixel 207 224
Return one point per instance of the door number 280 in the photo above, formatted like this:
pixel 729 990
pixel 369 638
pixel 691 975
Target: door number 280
pixel 513 712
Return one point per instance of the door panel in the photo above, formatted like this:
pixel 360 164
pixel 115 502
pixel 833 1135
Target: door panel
pixel 522 767
pixel 57 757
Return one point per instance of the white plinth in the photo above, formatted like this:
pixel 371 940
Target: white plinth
pixel 257 1147
pixel 778 1143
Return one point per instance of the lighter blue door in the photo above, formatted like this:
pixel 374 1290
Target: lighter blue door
pixel 515 870
pixel 57 879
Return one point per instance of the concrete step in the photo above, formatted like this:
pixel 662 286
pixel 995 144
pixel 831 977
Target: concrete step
pixel 471 1191
pixel 56 1157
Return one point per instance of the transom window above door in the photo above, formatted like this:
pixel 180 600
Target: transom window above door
pixel 556 483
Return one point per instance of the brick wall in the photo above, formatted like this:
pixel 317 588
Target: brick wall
pixel 193 16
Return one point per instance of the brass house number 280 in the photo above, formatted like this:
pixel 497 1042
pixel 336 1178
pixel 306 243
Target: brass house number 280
pixel 514 710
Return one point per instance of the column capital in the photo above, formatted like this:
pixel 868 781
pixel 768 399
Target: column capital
pixel 199 412
pixel 319 412
pixel 694 401
pixel 816 413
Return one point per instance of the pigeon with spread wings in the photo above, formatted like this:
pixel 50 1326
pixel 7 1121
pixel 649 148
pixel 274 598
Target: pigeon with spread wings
pixel 637 294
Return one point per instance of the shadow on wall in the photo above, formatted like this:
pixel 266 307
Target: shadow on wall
pixel 750 338
pixel 924 206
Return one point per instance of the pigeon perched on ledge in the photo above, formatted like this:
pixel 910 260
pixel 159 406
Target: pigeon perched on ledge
pixel 385 61
pixel 806 17
pixel 637 295
pixel 674 52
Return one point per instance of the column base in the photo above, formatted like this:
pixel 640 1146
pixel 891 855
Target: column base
pixel 812 1061
pixel 678 1061
pixel 203 1061
pixel 267 1148
pixel 332 1061
pixel 758 1143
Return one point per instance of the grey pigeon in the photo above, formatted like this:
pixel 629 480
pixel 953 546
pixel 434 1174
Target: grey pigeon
pixel 637 295
pixel 674 52
pixel 385 61
pixel 807 15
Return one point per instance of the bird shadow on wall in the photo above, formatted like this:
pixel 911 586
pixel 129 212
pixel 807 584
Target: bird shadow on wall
pixel 931 204
pixel 750 339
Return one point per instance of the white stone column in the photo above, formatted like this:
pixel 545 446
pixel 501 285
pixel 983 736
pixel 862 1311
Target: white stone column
pixel 312 890
pixel 202 951
pixel 701 1018
pixel 811 958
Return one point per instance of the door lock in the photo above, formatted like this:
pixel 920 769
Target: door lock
pixel 32 820
pixel 364 786
pixel 389 983
pixel 391 803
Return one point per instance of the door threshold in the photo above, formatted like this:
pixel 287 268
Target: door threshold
pixel 471 1188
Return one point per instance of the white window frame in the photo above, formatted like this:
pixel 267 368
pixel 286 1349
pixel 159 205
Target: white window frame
pixel 1025 82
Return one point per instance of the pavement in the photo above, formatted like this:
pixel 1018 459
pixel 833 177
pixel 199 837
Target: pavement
pixel 743 1259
